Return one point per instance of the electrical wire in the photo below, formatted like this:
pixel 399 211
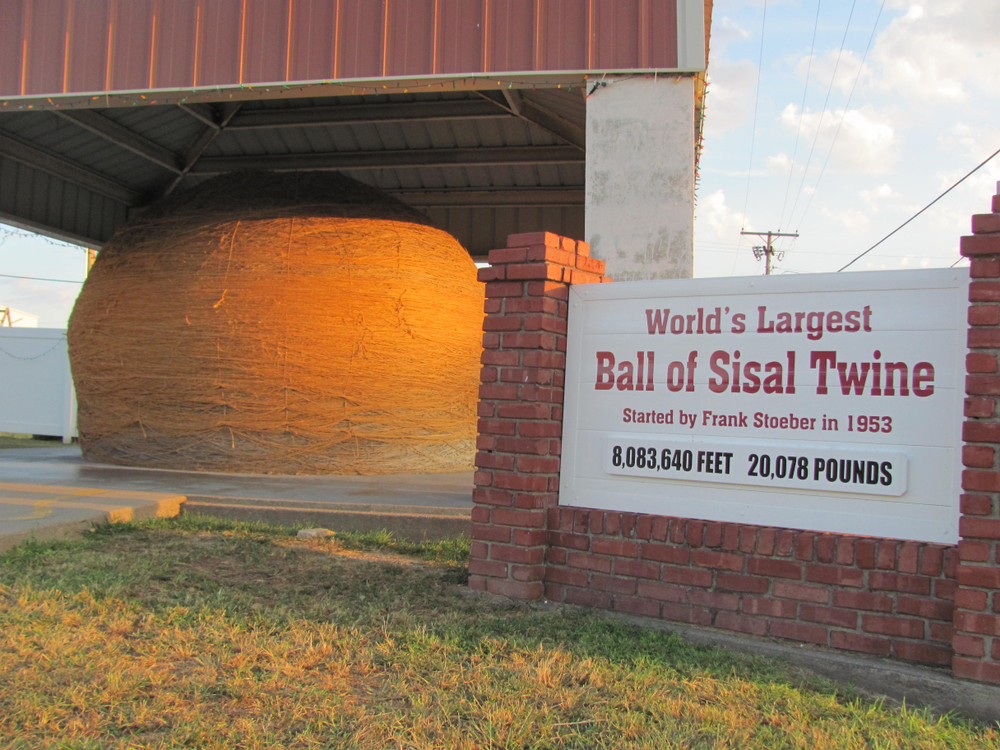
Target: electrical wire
pixel 822 113
pixel 753 131
pixel 842 118
pixel 802 112
pixel 963 179
pixel 36 278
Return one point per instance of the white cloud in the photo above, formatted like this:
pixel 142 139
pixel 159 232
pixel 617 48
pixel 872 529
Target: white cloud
pixel 822 68
pixel 52 303
pixel 716 222
pixel 912 261
pixel 729 103
pixel 853 220
pixel 865 141
pixel 25 254
pixel 933 51
pixel 779 164
pixel 724 31
pixel 878 196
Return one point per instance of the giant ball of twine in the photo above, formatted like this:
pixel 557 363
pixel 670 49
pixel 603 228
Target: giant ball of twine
pixel 265 323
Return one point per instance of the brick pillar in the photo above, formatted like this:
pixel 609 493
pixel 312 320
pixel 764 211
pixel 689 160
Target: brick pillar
pixel 976 641
pixel 520 407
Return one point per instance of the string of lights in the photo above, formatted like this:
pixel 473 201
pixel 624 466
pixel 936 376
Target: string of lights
pixel 213 94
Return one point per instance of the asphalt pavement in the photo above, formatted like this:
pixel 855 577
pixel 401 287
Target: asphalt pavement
pixel 52 492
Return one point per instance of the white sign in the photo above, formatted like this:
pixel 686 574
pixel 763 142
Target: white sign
pixel 829 402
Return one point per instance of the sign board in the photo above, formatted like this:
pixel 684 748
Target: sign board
pixel 828 402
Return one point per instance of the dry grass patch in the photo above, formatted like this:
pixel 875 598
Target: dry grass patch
pixel 204 634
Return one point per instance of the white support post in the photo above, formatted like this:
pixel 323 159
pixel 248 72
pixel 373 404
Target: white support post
pixel 640 177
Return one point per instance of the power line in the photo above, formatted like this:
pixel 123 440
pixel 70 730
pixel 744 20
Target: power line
pixel 36 278
pixel 802 112
pixel 967 176
pixel 753 131
pixel 842 117
pixel 822 113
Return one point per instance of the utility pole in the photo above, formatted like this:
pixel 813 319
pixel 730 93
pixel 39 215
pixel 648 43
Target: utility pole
pixel 767 251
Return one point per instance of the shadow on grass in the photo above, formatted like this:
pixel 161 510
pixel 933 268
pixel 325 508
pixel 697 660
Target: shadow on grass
pixel 244 566
pixel 370 642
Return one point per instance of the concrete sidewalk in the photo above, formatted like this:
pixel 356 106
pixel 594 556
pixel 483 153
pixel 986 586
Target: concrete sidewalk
pixel 413 506
pixel 40 512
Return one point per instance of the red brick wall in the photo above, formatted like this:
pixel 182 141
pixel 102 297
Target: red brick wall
pixel 878 596
pixel 913 601
pixel 520 408
pixel 977 622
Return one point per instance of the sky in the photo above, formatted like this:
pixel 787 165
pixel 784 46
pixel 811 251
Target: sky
pixel 855 132
pixel 848 119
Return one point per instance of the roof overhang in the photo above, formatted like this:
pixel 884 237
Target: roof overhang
pixel 483 153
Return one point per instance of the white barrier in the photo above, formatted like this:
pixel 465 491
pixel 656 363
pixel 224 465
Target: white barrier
pixel 36 388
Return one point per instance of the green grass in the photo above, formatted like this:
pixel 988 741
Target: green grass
pixel 17 440
pixel 211 634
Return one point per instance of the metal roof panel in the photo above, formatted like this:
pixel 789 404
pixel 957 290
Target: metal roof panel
pixel 125 46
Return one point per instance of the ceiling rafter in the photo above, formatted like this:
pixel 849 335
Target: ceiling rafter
pixel 198 146
pixel 558 197
pixel 203 112
pixel 429 157
pixel 531 112
pixel 355 114
pixel 121 136
pixel 47 161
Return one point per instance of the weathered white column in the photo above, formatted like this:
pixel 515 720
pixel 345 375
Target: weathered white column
pixel 640 177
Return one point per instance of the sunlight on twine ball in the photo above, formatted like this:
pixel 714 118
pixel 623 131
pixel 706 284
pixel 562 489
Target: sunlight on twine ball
pixel 266 323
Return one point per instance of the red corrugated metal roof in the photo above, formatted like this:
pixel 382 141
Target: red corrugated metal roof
pixel 50 47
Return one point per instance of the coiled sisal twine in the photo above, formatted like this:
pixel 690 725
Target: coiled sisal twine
pixel 266 323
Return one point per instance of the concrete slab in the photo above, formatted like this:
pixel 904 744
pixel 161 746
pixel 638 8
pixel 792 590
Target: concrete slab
pixel 413 506
pixel 40 512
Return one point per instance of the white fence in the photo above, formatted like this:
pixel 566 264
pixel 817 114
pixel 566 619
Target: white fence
pixel 36 388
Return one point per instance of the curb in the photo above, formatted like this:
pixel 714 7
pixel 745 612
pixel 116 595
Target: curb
pixel 97 506
pixel 407 522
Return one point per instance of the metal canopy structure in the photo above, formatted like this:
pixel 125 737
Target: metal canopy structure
pixel 465 158
pixel 473 112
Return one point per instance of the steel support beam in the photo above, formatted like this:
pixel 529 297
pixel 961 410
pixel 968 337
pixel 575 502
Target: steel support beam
pixel 430 157
pixel 531 112
pixel 568 131
pixel 119 135
pixel 54 164
pixel 354 114
pixel 198 146
pixel 489 198
pixel 513 98
pixel 48 231
pixel 203 112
